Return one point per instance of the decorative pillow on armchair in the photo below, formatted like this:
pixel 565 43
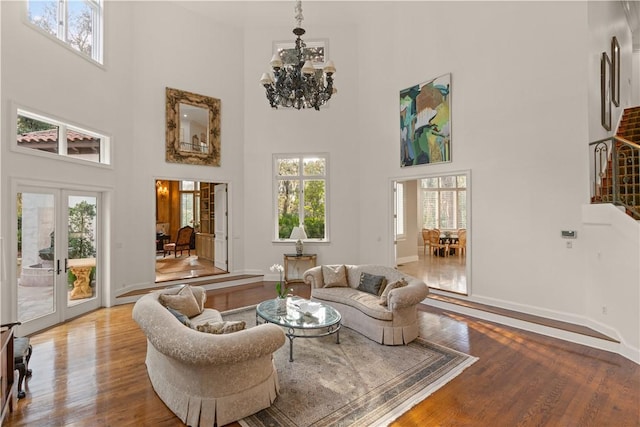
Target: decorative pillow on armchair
pixel 184 302
pixel 222 327
pixel 371 283
pixel 334 277
pixel 181 317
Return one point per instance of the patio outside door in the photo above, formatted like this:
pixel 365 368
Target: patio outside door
pixel 58 268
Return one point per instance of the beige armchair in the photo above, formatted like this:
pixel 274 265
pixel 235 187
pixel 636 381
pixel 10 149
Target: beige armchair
pixel 207 378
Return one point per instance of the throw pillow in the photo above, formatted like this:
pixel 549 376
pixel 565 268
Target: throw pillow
pixel 371 283
pixel 222 327
pixel 334 276
pixel 181 317
pixel 183 301
pixel 391 286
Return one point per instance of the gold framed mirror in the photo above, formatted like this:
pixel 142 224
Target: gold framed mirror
pixel 193 128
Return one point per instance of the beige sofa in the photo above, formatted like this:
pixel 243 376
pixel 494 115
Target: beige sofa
pixel 392 320
pixel 207 378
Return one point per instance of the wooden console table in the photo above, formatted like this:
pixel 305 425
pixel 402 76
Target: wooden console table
pixel 295 266
pixel 7 372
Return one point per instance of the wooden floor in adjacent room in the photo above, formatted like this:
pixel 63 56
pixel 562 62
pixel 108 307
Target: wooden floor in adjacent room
pixel 90 372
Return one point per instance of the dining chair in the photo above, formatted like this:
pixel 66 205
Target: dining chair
pixel 434 243
pixel 461 245
pixel 425 240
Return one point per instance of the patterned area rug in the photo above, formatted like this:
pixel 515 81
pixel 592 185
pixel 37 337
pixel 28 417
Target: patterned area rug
pixel 355 383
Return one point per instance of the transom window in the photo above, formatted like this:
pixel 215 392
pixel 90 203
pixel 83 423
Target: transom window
pixel 189 204
pixel 444 202
pixel 300 191
pixel 47 135
pixel 76 23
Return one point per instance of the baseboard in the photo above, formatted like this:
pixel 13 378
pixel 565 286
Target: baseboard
pixel 132 293
pixel 407 259
pixel 621 347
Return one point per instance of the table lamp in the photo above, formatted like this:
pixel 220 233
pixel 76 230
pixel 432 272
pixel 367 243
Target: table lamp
pixel 298 234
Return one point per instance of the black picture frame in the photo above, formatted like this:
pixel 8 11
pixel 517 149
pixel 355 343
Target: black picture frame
pixel 615 71
pixel 605 90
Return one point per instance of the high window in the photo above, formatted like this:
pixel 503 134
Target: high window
pixel 47 135
pixel 76 23
pixel 189 203
pixel 300 191
pixel 444 202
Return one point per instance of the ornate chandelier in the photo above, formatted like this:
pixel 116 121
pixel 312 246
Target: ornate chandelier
pixel 298 85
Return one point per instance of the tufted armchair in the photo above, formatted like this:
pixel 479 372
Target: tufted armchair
pixel 206 378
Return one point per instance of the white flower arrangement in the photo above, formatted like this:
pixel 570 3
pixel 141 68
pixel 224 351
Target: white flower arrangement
pixel 282 291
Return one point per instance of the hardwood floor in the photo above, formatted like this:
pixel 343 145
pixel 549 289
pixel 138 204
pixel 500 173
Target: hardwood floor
pixel 443 273
pixel 90 372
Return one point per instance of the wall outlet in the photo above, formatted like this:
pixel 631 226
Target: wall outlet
pixel 569 245
pixel 604 310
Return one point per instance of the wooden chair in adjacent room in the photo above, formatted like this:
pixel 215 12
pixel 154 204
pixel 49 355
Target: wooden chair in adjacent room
pixel 461 245
pixel 434 243
pixel 425 240
pixel 182 243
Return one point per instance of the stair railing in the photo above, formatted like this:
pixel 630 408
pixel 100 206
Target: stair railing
pixel 615 173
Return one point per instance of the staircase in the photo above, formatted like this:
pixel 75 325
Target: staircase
pixel 617 165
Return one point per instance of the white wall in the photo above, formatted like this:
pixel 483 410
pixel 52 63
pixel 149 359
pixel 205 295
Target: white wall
pixel 126 100
pixel 514 127
pixel 607 19
pixel 39 74
pixel 407 249
pixel 180 49
pixel 612 285
pixel 334 130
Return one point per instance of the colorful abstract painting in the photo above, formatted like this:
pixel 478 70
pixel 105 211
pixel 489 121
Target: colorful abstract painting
pixel 425 122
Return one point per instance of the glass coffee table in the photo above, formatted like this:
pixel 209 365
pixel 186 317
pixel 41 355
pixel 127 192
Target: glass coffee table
pixel 323 321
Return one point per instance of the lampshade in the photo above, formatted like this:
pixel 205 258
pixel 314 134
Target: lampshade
pixel 298 233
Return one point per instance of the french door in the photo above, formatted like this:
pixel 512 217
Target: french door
pixel 58 262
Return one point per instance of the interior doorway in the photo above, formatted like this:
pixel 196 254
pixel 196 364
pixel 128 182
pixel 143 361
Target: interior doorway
pixel 437 202
pixel 200 210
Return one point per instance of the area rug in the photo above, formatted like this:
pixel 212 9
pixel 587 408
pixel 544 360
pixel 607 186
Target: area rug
pixel 355 383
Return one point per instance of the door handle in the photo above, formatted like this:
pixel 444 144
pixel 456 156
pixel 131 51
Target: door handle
pixel 58 271
pixel 66 265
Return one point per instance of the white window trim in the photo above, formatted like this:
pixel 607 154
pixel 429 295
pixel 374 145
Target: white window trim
pixel 99 37
pixel 106 146
pixel 401 211
pixel 274 191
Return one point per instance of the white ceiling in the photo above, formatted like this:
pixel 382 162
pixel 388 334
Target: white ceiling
pixel 242 13
pixel 275 12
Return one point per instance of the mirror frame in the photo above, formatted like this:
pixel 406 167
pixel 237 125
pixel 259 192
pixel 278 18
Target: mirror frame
pixel 174 97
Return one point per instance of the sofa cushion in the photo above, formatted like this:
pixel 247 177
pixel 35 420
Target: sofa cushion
pixel 365 302
pixel 181 317
pixel 222 327
pixel 208 315
pixel 183 301
pixel 371 283
pixel 334 276
pixel 391 286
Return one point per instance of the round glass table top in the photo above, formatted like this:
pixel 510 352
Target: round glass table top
pixel 300 313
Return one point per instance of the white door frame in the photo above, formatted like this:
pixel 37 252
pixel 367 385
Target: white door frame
pixel 391 255
pixel 63 312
